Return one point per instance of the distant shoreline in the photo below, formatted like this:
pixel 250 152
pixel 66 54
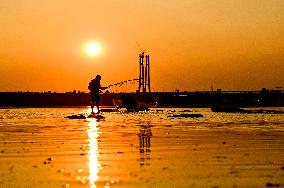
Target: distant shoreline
pixel 176 99
pixel 113 107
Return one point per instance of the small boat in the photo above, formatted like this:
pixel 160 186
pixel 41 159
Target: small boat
pixel 132 105
pixel 230 109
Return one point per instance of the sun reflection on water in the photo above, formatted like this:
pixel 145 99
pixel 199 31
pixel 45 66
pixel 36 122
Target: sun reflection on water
pixel 94 165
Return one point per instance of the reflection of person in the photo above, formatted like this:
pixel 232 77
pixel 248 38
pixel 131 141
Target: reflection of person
pixel 94 87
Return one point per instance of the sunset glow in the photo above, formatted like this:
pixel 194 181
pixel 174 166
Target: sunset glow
pixel 193 45
pixel 93 49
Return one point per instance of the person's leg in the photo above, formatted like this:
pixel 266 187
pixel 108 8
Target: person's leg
pixel 98 105
pixel 92 106
pixel 92 102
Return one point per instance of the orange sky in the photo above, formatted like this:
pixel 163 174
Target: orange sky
pixel 193 44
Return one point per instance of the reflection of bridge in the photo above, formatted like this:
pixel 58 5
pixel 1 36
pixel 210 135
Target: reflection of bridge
pixel 145 143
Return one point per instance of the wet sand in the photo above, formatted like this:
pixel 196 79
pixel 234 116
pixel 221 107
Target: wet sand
pixel 42 149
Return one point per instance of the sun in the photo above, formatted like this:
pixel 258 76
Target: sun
pixel 93 49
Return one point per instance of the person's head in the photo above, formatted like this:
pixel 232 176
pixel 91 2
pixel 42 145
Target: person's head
pixel 98 77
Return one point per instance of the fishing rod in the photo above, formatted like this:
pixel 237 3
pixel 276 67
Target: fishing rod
pixel 121 83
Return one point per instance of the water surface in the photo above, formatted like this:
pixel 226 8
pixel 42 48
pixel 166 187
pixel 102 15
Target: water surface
pixel 41 148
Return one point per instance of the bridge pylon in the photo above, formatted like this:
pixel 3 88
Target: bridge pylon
pixel 144 85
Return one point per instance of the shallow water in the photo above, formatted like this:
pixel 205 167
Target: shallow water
pixel 41 148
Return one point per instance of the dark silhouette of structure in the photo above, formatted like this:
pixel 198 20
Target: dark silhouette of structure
pixel 129 103
pixel 144 74
pixel 259 98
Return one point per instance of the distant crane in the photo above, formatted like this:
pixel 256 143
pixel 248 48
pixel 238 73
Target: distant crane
pixel 139 46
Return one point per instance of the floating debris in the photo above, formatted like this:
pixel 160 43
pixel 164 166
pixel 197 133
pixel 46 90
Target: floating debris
pixel 76 117
pixel 60 171
pixel 47 161
pixel 187 115
pixel 186 111
pixel 272 185
pixel 234 109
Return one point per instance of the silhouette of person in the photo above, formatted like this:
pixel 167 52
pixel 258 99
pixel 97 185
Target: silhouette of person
pixel 95 87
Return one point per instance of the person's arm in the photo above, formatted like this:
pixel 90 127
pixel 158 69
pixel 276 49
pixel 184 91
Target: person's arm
pixel 103 88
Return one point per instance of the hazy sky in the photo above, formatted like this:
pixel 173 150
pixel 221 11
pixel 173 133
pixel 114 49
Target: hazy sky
pixel 193 44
